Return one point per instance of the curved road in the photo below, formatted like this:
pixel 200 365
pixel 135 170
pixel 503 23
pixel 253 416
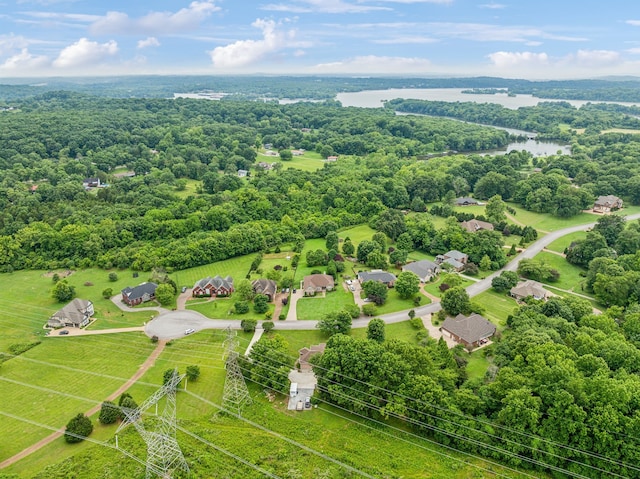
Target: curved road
pixel 173 324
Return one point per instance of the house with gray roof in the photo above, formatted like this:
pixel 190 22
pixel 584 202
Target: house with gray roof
pixel 268 287
pixel 423 269
pixel 465 201
pixel 377 275
pixel 454 258
pixel 472 331
pixel 476 225
pixel 216 286
pixel 607 204
pixel 76 314
pixel 139 294
pixel 527 288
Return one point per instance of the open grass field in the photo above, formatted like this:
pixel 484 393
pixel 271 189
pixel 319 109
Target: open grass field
pixel 497 306
pixel 324 431
pixel 55 380
pixel 26 302
pixel 570 278
pixel 310 161
pixel 316 307
pixel 237 268
pixel 357 234
pixel 560 244
pixel 402 331
pixel 546 223
pixel 190 189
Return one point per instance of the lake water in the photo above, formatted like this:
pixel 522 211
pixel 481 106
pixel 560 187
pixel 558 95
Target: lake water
pixel 375 98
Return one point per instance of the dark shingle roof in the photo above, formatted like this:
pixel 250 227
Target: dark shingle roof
pixel 469 328
pixel 381 276
pixel 139 291
pixel 422 268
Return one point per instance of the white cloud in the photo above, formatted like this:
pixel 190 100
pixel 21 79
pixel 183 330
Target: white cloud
pixel 594 58
pixel 583 63
pixel 493 6
pixel 183 20
pixel 246 52
pixel 85 52
pixel 11 43
pixel 148 42
pixel 440 2
pixel 321 6
pixel 372 64
pixel 76 17
pixel 25 61
pixel 405 40
pixel 634 51
pixel 635 23
pixel 516 59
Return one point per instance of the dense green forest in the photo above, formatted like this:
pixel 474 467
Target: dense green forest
pixel 313 87
pixel 54 141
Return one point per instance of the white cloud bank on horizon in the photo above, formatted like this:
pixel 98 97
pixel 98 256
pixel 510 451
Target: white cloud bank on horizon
pixel 246 52
pixel 85 52
pixel 372 64
pixel 155 23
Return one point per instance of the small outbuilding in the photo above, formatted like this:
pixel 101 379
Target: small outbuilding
pixel 466 201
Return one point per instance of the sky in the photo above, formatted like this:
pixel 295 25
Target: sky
pixel 541 39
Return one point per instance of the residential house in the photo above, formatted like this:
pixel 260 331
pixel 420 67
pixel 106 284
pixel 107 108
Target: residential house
pixel 317 283
pixel 243 173
pixel 607 204
pixel 528 288
pixel 139 294
pixel 76 314
pixel 299 152
pixel 332 158
pixel 383 277
pixel 471 331
pixel 423 269
pixel 455 259
pixel 305 355
pixel 476 225
pixel 271 153
pixel 266 166
pixel 268 287
pixel 91 183
pixel 465 201
pixel 216 286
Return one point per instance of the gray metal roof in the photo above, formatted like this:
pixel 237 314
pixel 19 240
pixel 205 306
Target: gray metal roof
pixel 469 328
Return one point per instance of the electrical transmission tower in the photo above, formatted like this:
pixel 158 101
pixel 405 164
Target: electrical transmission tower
pixel 235 394
pixel 163 452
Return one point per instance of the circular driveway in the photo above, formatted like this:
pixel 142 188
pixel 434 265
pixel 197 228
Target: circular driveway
pixel 173 324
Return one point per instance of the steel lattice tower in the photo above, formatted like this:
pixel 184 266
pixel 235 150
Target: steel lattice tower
pixel 163 452
pixel 235 394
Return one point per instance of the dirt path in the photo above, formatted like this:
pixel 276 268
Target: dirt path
pixel 554 252
pixel 53 436
pixel 513 218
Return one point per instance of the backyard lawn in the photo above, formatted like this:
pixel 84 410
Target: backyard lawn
pixel 220 308
pixel 497 306
pixel 561 244
pixel 237 268
pixel 477 365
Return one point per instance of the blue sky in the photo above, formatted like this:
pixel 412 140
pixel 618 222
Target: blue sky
pixel 539 39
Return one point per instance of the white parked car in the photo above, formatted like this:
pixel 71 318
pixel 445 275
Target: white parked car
pixel 189 331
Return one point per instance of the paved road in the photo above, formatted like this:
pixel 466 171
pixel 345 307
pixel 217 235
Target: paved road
pixel 173 324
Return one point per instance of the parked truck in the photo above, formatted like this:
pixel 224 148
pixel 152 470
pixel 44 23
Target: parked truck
pixel 293 390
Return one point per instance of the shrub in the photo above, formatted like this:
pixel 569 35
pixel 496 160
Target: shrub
pixel 248 325
pixel 109 413
pixel 241 307
pixel 282 317
pixel 113 277
pixel 78 428
pixel 193 372
pixel 369 309
pixel 267 326
pixel 107 293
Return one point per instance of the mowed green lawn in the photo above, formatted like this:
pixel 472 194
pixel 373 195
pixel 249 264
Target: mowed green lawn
pixel 561 244
pixel 26 303
pixel 317 307
pixel 61 377
pixel 570 278
pixel 220 308
pixel 497 306
pixel 546 222
pixel 395 303
pixel 310 161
